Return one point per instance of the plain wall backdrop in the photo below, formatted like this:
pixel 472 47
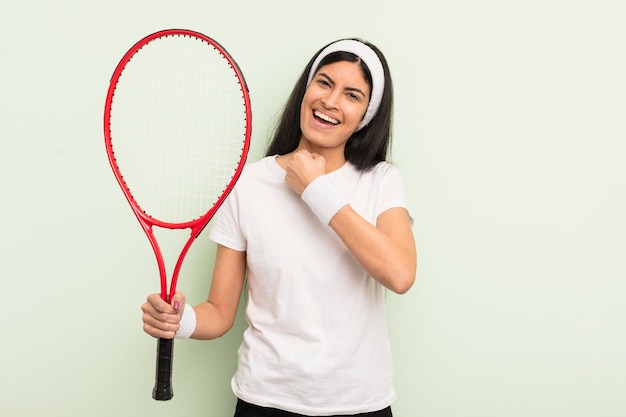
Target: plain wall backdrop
pixel 509 130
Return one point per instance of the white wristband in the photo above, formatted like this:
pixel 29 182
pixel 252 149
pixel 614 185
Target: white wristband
pixel 324 199
pixel 187 323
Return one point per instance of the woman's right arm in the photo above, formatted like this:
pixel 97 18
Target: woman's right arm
pixel 215 316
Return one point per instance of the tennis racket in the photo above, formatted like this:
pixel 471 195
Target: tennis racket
pixel 177 124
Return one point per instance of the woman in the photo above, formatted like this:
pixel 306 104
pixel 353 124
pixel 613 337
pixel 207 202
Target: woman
pixel 320 228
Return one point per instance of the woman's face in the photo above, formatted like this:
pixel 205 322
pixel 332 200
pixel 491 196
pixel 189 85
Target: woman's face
pixel 333 105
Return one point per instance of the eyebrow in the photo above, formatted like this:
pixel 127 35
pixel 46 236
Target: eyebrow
pixel 354 89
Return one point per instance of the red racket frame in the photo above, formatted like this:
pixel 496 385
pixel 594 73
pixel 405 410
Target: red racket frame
pixel 147 222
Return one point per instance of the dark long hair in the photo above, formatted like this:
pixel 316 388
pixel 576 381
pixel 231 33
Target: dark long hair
pixel 366 147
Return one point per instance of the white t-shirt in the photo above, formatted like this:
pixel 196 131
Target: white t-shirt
pixel 317 339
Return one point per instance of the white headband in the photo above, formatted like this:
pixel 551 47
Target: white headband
pixel 373 63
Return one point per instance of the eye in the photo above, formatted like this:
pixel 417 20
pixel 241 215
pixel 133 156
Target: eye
pixel 323 82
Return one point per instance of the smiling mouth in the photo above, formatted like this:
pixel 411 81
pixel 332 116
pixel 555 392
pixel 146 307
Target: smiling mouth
pixel 325 118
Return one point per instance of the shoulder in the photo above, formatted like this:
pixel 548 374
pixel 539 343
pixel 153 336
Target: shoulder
pixel 381 174
pixel 258 166
pixel 388 178
pixel 386 167
pixel 383 171
pixel 264 168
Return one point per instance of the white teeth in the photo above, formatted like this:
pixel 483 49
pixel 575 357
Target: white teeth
pixel 326 118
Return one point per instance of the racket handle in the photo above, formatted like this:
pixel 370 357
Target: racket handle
pixel 163 381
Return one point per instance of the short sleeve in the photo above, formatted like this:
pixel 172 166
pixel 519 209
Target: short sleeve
pixel 393 191
pixel 225 227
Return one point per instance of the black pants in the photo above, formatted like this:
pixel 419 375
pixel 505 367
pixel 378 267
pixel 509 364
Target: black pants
pixel 245 409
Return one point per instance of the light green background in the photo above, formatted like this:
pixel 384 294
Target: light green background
pixel 510 132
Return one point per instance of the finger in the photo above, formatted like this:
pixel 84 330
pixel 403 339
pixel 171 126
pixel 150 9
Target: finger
pixel 158 332
pixel 162 321
pixel 161 325
pixel 178 302
pixel 157 319
pixel 159 304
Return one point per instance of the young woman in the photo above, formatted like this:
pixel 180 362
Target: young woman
pixel 320 229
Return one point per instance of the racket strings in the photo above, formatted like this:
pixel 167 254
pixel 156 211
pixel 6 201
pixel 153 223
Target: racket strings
pixel 178 127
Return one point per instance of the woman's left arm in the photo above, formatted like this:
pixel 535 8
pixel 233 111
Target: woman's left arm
pixel 386 251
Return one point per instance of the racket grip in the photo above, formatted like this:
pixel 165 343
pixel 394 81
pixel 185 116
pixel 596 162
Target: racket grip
pixel 163 381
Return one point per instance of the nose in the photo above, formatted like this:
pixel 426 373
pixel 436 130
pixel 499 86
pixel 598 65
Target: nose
pixel 331 100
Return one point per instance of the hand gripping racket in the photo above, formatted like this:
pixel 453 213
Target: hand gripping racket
pixel 177 124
